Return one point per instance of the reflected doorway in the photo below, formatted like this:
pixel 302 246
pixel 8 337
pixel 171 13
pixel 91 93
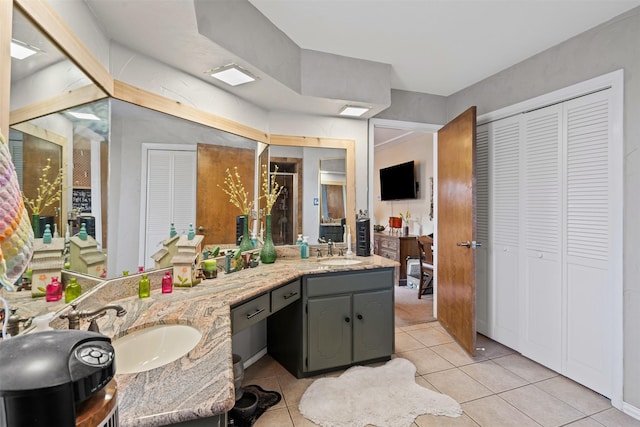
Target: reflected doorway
pixel 286 221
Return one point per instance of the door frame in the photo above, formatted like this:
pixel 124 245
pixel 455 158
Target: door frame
pixel 425 128
pixel 146 147
pixel 613 81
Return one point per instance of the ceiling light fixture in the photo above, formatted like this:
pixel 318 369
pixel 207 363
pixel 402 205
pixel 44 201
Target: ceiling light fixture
pixel 353 111
pixel 232 74
pixel 84 116
pixel 20 50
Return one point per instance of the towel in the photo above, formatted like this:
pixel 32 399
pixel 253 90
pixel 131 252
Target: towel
pixel 16 234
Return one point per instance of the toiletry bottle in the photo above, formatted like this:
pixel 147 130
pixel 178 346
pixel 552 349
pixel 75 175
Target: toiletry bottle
pixel 299 240
pixel 53 290
pixel 72 291
pixel 304 249
pixel 144 288
pixel 167 283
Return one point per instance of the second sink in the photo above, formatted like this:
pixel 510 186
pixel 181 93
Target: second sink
pixel 153 347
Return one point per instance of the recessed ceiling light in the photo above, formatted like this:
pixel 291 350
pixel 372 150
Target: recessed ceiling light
pixel 84 116
pixel 20 50
pixel 233 75
pixel 353 111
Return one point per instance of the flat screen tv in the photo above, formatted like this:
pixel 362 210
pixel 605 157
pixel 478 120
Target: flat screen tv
pixel 398 182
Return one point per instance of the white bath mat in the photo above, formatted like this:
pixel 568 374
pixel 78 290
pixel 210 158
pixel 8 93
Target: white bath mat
pixel 383 396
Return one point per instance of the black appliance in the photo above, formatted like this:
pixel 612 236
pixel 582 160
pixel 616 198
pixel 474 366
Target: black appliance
pixel 239 228
pixel 45 375
pixel 363 237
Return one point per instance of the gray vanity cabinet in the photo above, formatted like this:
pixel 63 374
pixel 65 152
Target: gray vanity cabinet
pixel 343 319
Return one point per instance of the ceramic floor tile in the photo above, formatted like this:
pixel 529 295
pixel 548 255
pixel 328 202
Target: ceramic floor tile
pixel 419 326
pixel 426 361
pixel 525 368
pixel 293 388
pixel 441 421
pixel 266 366
pixel 430 336
pixel 583 399
pixel 585 422
pixel 405 342
pixel 491 348
pixel 455 355
pixel 298 419
pixel 615 418
pixel 458 385
pixel 492 411
pixel 541 406
pixel 279 417
pixel 493 376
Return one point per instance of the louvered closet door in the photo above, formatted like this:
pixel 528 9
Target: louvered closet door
pixel 542 213
pixel 482 230
pixel 589 217
pixel 171 196
pixel 505 229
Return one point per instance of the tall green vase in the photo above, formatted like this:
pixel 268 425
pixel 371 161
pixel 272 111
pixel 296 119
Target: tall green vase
pixel 268 252
pixel 35 224
pixel 245 243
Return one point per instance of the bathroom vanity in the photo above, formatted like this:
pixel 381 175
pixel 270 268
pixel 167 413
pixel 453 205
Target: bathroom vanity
pixel 320 316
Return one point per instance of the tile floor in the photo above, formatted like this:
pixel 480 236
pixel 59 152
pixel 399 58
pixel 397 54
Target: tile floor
pixel 498 388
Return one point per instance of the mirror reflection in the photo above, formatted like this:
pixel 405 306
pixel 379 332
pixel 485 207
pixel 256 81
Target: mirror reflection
pixel 333 200
pixel 300 210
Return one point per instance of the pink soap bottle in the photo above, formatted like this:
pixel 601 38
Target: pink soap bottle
pixel 54 290
pixel 167 283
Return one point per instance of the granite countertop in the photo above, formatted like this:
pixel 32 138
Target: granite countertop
pixel 200 384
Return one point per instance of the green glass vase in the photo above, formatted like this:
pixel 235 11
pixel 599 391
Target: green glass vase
pixel 35 224
pixel 268 252
pixel 245 243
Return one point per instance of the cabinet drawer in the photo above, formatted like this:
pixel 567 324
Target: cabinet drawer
pixel 249 313
pixel 391 244
pixel 285 295
pixel 392 255
pixel 341 283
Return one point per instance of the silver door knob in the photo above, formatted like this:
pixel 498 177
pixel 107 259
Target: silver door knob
pixel 201 229
pixel 465 244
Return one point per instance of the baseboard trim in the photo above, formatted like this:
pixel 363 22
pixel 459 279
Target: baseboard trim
pixel 253 359
pixel 631 410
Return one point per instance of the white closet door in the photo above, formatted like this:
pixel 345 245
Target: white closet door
pixel 589 308
pixel 505 229
pixel 542 213
pixel 482 230
pixel 171 196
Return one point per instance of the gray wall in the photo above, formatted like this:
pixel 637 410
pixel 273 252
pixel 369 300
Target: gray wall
pixel 608 47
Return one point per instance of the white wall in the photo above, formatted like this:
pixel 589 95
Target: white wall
pixel 420 150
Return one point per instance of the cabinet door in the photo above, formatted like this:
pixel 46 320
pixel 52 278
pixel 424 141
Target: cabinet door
pixel 329 332
pixel 543 211
pixel 505 230
pixel 372 325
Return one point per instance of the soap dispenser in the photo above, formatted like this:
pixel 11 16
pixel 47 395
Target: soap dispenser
pixel 72 291
pixel 144 287
pixel 304 248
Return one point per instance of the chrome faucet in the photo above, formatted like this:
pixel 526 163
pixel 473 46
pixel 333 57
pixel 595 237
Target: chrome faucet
pixel 330 245
pixel 13 323
pixel 75 315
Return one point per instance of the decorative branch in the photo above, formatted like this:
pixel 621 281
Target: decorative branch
pixel 234 188
pixel 48 193
pixel 270 188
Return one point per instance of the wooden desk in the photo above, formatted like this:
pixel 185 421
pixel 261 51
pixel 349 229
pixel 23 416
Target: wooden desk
pixel 396 248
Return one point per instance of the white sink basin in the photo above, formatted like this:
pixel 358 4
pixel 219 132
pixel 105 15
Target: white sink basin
pixel 153 347
pixel 340 261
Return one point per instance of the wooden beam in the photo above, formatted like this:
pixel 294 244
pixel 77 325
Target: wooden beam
pixel 56 104
pixel 46 19
pixel 126 92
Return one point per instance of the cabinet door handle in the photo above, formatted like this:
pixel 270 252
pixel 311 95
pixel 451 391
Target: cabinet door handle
pixel 347 319
pixel 359 316
pixel 255 313
pixel 290 294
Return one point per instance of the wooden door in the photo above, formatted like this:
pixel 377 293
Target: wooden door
pixel 215 215
pixel 456 286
